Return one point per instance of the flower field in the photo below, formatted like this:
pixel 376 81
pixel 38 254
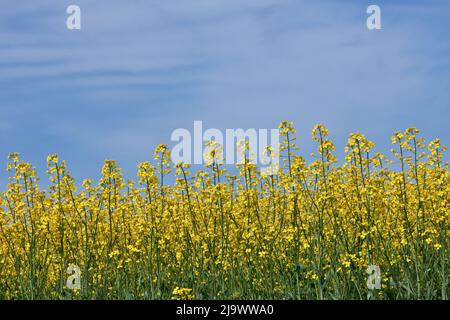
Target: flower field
pixel 309 232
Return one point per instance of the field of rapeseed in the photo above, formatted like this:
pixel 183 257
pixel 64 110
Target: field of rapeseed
pixel 309 232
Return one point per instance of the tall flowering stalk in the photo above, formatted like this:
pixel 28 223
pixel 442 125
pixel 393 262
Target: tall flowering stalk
pixel 309 230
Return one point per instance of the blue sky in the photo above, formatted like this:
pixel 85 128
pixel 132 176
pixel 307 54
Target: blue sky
pixel 140 69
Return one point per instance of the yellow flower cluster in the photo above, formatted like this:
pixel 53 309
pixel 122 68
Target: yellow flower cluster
pixel 182 294
pixel 308 232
